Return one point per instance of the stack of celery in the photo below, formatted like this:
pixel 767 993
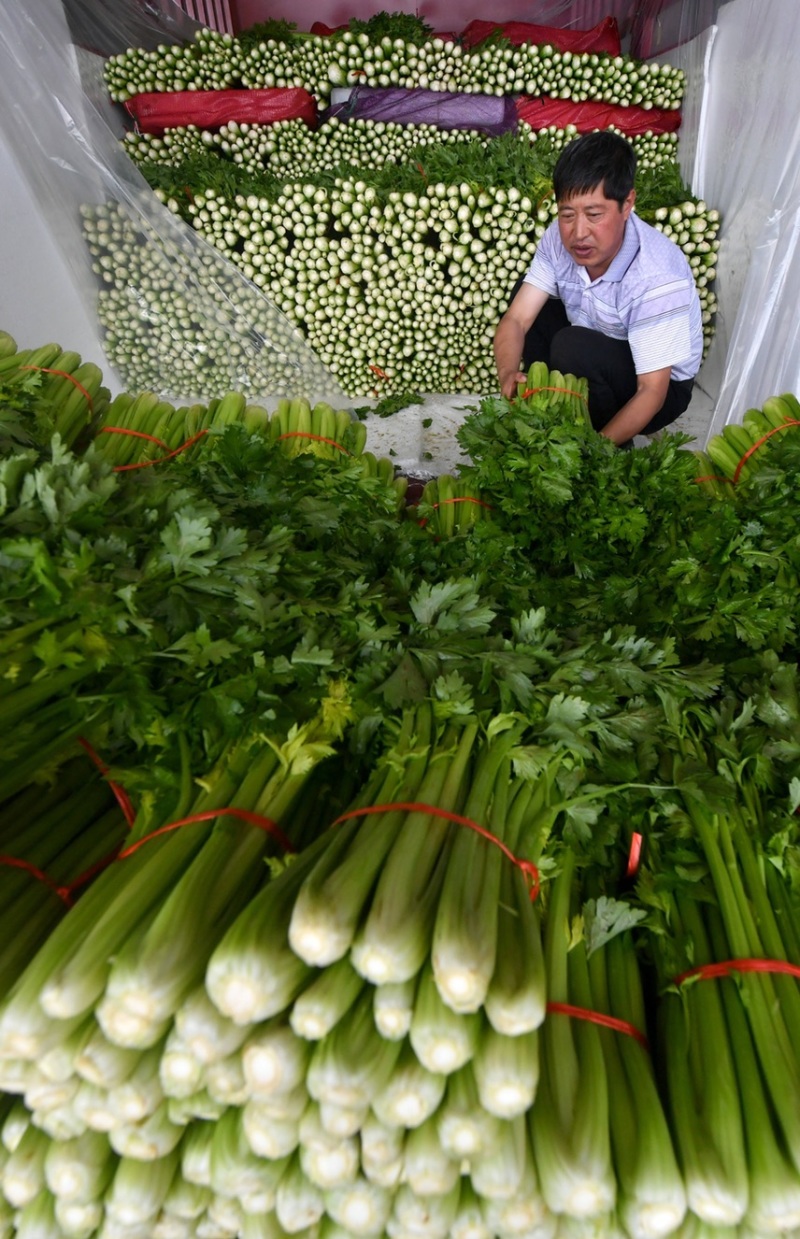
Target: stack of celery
pixel 349 890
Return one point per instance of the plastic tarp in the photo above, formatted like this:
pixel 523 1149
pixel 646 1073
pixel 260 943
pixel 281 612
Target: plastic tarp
pixel 75 165
pixel 604 37
pixel 740 151
pixel 541 111
pixel 155 111
pixel 493 115
pixel 109 28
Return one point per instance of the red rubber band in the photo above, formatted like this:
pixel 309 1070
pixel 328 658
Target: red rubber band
pixel 712 477
pixel 123 799
pixel 456 499
pixel 306 434
pixel 65 375
pixel 708 972
pixel 254 819
pixel 134 434
pixel 634 855
pixel 531 391
pixel 145 464
pixel 597 1017
pixel 527 867
pixel 759 443
pixel 377 370
pixel 14 862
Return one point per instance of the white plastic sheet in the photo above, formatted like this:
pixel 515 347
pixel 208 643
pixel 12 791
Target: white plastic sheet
pixel 73 161
pixel 748 164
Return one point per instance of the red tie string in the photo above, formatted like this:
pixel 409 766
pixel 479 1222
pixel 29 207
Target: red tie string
pixel 15 862
pixel 527 867
pixel 597 1017
pixel 634 855
pixel 244 815
pixel 759 443
pixel 737 473
pixel 64 374
pixel 306 434
pixel 123 799
pixel 65 891
pixel 146 464
pixel 134 434
pixel 708 972
pixel 456 499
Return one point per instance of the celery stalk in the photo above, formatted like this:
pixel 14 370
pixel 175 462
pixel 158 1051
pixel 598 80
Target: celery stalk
pixel 138 1190
pixel 652 1200
pixel 299 1203
pixel 430 1168
pixel 327 1161
pixel 465 1129
pixel 705 1104
pixel 507 1072
pixel 394 940
pixel 569 1120
pixel 464 946
pixel 443 1040
pixel 352 1062
pixel 330 902
pixel 361 1207
pixel 393 1008
pixel 323 1003
pixel 411 1094
pixel 79 1169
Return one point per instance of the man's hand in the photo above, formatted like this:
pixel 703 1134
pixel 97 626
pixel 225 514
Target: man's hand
pixel 509 383
pixel 509 338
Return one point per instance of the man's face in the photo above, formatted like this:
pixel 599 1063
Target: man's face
pixel 592 227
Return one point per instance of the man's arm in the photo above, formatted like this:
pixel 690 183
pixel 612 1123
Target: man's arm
pixel 509 338
pixel 651 392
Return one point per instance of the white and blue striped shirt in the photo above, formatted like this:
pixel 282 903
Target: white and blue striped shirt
pixel 647 297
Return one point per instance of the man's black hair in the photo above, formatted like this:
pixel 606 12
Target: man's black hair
pixel 600 158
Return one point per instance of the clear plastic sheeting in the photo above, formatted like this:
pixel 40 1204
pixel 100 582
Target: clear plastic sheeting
pixel 179 318
pixel 748 163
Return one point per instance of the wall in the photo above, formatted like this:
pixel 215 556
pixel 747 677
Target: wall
pixel 442 15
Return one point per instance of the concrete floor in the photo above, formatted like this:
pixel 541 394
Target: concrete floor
pixel 428 450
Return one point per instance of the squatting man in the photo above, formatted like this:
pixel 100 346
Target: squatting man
pixel 607 298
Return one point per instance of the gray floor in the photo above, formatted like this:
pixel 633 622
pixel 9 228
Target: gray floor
pixel 421 439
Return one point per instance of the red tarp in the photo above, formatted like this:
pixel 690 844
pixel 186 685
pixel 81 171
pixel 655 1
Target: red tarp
pixel 540 112
pixel 210 109
pixel 603 37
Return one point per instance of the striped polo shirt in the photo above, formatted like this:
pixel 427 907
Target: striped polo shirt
pixel 647 297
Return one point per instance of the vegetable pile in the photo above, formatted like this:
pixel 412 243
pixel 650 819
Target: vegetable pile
pixel 287 58
pixel 392 248
pixel 395 275
pixel 374 869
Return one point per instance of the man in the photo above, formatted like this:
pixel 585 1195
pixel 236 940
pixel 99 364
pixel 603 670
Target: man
pixel 607 298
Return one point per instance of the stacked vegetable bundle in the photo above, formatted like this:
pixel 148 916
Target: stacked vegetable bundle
pixel 342 227
pixel 290 148
pixel 376 956
pixel 410 59
pixel 396 276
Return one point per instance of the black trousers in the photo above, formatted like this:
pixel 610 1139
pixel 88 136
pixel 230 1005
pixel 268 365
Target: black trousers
pixel 606 364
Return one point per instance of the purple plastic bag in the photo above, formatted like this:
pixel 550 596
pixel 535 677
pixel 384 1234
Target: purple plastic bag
pixel 491 114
